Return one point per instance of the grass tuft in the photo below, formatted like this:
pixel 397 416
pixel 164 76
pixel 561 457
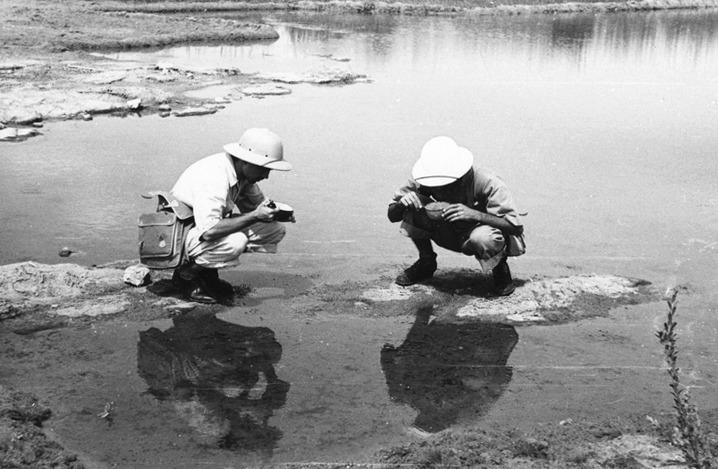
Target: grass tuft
pixel 687 434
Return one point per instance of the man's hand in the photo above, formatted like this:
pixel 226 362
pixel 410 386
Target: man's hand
pixel 411 199
pixel 460 212
pixel 265 212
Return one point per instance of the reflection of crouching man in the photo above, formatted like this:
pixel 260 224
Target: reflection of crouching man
pixel 213 187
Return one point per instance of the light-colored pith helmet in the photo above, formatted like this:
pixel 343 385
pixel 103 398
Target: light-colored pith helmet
pixel 260 147
pixel 442 162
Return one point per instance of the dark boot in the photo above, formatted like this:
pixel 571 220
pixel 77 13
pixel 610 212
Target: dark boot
pixel 184 274
pixel 423 269
pixel 216 286
pixel 202 293
pixel 191 278
pixel 503 283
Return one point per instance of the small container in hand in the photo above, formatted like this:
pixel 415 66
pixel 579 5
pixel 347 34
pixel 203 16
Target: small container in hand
pixel 285 212
pixel 435 210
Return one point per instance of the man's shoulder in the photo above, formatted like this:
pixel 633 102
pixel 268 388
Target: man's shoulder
pixel 220 158
pixel 482 172
pixel 218 163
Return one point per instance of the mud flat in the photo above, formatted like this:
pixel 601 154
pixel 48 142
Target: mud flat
pixel 38 297
pixel 51 68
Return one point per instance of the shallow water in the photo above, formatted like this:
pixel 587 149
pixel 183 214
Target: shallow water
pixel 602 125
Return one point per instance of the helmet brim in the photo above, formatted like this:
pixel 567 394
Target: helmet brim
pixel 243 154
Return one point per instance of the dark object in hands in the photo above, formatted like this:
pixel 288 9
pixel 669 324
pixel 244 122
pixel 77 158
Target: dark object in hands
pixel 435 210
pixel 285 212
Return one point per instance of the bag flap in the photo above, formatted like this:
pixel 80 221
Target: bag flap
pixel 157 219
pixel 166 199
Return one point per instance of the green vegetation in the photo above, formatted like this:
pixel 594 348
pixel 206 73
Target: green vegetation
pixel 687 434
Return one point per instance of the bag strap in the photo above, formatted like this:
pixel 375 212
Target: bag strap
pixel 166 200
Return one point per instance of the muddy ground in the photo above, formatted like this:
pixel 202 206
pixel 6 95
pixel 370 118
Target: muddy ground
pixel 39 298
pixel 49 70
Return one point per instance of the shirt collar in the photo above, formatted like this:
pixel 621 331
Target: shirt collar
pixel 231 171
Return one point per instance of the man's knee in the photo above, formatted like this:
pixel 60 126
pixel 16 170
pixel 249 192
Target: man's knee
pixel 233 245
pixel 280 233
pixel 484 241
pixel 219 253
pixel 267 233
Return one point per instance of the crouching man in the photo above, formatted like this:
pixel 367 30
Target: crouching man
pixel 470 210
pixel 214 187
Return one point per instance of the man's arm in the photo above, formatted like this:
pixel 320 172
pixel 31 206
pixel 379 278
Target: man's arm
pixel 406 197
pixel 459 212
pixel 239 221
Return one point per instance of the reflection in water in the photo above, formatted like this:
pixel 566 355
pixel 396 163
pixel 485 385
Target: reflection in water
pixel 571 32
pixel 221 378
pixel 445 371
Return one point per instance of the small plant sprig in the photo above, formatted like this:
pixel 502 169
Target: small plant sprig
pixel 687 434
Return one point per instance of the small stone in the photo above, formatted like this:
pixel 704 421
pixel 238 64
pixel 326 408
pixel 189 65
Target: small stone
pixel 65 252
pixel 136 275
pixel 86 117
pixel 165 107
pixel 134 104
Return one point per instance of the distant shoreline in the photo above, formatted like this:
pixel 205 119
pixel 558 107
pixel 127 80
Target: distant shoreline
pixel 50 73
pixel 418 7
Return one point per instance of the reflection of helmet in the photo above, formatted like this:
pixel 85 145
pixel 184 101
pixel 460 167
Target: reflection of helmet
pixel 260 147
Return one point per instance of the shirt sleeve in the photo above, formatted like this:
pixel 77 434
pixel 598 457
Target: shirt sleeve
pixel 409 186
pixel 499 201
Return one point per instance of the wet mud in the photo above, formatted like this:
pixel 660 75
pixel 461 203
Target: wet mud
pixel 224 374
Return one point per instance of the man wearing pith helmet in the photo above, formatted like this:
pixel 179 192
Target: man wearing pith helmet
pixel 231 214
pixel 454 202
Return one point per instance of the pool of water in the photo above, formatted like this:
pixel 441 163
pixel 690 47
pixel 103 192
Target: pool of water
pixel 602 125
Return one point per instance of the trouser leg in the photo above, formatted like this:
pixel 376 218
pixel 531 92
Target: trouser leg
pixel 225 252
pixel 484 242
pixel 200 274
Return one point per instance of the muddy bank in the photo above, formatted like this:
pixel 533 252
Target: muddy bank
pixel 23 444
pixel 49 72
pixel 59 293
pixel 41 298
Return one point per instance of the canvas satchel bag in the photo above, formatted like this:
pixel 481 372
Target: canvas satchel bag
pixel 162 232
